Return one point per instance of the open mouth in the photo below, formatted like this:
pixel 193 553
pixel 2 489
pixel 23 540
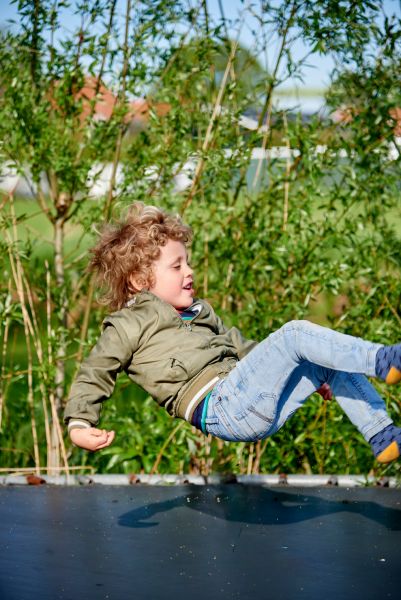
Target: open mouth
pixel 188 286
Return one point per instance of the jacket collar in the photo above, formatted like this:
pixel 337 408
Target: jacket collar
pixel 146 296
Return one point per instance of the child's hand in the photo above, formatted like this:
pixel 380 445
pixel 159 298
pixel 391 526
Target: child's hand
pixel 91 438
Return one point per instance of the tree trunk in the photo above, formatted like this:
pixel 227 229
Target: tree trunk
pixel 53 459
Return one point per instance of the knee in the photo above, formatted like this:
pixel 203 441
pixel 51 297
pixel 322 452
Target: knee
pixel 296 325
pixel 291 331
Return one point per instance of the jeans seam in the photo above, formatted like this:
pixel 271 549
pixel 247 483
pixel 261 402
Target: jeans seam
pixel 382 419
pixel 284 330
pixel 371 360
pixel 377 427
pixel 225 421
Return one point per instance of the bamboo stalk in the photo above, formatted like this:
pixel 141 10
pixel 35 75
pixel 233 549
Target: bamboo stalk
pixel 55 431
pixel 32 331
pixel 59 375
pixel 15 264
pixel 208 440
pixel 50 362
pixel 250 459
pixel 230 271
pixel 324 448
pixel 58 436
pixel 264 142
pixel 39 352
pixel 260 450
pixel 287 175
pixel 3 359
pixel 205 266
pixel 41 358
pixel 162 449
pixel 85 322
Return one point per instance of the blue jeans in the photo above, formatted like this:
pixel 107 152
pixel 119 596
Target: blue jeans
pixel 273 380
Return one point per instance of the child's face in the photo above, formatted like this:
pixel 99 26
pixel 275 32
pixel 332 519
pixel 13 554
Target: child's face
pixel 173 275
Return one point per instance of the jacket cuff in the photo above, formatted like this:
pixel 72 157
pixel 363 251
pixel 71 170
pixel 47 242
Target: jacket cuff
pixel 78 424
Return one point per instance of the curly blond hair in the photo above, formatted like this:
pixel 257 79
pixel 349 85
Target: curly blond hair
pixel 127 249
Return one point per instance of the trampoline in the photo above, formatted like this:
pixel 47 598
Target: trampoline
pixel 243 541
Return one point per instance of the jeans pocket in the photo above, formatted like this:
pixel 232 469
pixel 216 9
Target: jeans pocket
pixel 262 406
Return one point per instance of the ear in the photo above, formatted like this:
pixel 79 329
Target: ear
pixel 137 283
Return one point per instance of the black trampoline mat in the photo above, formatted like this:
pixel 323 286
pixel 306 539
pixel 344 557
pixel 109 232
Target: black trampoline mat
pixel 198 542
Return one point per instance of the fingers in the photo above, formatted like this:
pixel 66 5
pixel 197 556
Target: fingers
pixel 109 440
pixel 92 439
pixel 103 439
pixel 98 432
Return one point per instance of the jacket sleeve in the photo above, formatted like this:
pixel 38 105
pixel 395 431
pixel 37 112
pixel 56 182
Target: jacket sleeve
pixel 241 344
pixel 97 377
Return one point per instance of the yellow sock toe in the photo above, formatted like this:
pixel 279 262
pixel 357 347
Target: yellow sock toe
pixel 393 376
pixel 390 453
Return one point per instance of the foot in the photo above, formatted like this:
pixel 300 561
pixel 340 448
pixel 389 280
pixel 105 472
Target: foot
pixel 386 444
pixel 388 363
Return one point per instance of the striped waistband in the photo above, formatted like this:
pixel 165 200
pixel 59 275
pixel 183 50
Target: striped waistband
pixel 198 387
pixel 201 394
pixel 199 414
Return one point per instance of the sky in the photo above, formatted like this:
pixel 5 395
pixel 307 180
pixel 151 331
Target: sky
pixel 308 93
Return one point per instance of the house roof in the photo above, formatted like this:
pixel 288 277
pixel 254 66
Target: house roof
pixel 347 113
pixel 138 111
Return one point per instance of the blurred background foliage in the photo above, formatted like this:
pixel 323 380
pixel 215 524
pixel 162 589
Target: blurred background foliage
pixel 294 216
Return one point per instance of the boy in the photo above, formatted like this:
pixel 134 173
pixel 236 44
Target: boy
pixel 178 350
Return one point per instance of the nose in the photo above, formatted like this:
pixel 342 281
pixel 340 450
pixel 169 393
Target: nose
pixel 188 270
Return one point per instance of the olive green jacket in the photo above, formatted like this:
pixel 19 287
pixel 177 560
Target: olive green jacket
pixel 176 362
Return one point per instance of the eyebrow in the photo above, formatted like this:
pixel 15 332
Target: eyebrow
pixel 178 259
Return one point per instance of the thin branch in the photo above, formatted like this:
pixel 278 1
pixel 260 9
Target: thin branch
pixel 208 137
pixel 121 99
pixel 100 75
pixel 180 46
pixel 268 105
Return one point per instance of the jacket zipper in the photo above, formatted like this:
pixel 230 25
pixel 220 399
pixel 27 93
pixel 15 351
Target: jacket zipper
pixel 187 324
